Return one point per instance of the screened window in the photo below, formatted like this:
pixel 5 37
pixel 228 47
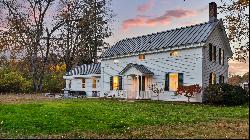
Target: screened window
pixel 94 83
pixel 83 83
pixel 141 56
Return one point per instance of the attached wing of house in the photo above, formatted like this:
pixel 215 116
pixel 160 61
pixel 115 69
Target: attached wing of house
pixel 84 79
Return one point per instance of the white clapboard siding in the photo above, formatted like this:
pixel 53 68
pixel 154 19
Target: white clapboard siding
pixel 188 61
pixel 216 39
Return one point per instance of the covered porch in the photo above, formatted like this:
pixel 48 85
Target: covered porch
pixel 135 80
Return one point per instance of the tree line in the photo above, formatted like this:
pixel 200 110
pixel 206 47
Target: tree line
pixel 42 33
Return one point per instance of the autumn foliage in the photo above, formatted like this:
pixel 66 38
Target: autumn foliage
pixel 188 91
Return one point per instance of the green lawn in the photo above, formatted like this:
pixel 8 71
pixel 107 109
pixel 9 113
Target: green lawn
pixel 98 118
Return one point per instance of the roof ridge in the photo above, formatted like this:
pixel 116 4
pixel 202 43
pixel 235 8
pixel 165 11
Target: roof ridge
pixel 179 28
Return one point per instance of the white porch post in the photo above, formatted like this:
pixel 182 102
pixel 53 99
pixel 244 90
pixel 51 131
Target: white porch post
pixel 126 92
pixel 141 94
pixel 137 91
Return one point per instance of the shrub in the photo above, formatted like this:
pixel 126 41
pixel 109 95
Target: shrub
pixel 53 83
pixel 188 91
pixel 225 94
pixel 13 82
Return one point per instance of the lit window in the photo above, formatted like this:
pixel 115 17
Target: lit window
pixel 173 81
pixel 115 82
pixel 212 78
pixel 94 83
pixel 173 53
pixel 141 56
pixel 83 83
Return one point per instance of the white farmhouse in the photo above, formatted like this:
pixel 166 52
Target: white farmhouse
pixel 196 54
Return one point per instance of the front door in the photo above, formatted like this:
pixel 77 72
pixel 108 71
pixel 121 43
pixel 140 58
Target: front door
pixel 141 85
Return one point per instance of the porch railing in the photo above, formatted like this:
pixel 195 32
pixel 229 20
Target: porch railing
pixel 124 94
pixel 145 94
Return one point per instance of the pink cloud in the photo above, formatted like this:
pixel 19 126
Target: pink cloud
pixel 138 21
pixel 165 19
pixel 145 7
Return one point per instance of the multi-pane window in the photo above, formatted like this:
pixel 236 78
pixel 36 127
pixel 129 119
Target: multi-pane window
pixel 212 78
pixel 212 52
pixel 173 81
pixel 94 83
pixel 116 83
pixel 141 56
pixel 83 83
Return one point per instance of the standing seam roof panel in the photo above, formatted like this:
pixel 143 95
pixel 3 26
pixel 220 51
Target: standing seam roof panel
pixel 161 41
pixel 191 33
pixel 188 35
pixel 180 35
pixel 177 32
pixel 183 36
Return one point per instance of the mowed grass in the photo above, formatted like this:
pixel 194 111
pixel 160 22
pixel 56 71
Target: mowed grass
pixel 98 118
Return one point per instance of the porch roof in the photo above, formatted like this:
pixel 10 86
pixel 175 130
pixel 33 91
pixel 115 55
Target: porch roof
pixel 85 69
pixel 143 69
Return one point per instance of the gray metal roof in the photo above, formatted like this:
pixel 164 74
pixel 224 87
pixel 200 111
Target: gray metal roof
pixel 143 69
pixel 198 33
pixel 86 69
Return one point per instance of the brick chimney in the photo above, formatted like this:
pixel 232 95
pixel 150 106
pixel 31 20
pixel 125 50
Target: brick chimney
pixel 212 11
